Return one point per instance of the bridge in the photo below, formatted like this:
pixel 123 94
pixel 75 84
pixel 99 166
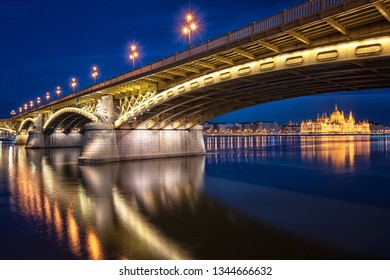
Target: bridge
pixel 321 46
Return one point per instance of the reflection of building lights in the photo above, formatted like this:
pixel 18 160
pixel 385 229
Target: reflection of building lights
pixel 73 234
pixel 47 210
pixel 94 246
pixel 58 222
pixel 339 152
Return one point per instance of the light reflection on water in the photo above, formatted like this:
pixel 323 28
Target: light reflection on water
pixel 254 197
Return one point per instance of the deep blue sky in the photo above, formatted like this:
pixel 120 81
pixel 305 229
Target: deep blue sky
pixel 45 43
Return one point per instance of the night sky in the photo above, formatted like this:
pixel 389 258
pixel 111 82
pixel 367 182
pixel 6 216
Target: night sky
pixel 45 43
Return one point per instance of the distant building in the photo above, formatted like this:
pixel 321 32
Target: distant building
pixel 241 128
pixel 336 123
pixel 5 133
pixel 379 128
pixel 290 128
pixel 266 127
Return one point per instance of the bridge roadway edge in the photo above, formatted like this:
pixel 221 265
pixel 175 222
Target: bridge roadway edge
pixel 102 143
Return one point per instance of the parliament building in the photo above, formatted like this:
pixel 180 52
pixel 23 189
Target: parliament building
pixel 335 123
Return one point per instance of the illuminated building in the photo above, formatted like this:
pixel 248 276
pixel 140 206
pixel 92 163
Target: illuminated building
pixel 335 123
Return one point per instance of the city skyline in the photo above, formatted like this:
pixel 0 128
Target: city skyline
pixel 54 49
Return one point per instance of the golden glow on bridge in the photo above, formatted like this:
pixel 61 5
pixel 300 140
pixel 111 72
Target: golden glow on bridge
pixel 322 55
pixel 311 35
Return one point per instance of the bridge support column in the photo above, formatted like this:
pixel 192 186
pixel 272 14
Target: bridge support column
pixel 103 143
pixel 21 139
pixel 35 140
pixel 56 139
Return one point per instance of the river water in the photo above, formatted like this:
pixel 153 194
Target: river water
pixel 252 197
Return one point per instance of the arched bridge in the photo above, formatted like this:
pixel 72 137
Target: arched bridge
pixel 318 47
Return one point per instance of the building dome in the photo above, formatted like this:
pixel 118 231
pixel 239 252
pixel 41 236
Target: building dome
pixel 336 116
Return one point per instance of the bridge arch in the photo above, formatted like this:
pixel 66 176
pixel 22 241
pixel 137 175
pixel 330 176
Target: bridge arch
pixel 26 124
pixel 68 119
pixel 355 65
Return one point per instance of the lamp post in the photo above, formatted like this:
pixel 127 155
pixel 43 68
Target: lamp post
pixel 189 27
pixel 58 91
pixel 25 107
pixel 38 101
pixel 13 113
pixel 133 55
pixel 47 97
pixel 31 104
pixel 73 84
pixel 95 73
pixel 20 110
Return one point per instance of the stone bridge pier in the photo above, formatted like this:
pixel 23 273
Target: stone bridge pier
pixel 38 138
pixel 103 143
pixel 21 138
pixel 55 139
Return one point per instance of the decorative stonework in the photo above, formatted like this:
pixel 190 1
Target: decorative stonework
pixel 104 110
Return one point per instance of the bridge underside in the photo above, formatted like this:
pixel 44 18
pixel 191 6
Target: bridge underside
pixel 67 122
pixel 203 104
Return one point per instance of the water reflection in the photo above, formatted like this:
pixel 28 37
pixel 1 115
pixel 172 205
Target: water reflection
pixel 83 205
pixel 248 198
pixel 336 152
pixel 339 152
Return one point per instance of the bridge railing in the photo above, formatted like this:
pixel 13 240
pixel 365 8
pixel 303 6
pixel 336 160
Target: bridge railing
pixel 276 21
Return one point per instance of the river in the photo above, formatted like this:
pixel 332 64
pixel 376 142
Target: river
pixel 249 197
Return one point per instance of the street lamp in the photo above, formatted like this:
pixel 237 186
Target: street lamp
pixel 20 110
pixel 133 55
pixel 58 91
pixel 25 107
pixel 188 27
pixel 47 97
pixel 31 104
pixel 13 113
pixel 95 73
pixel 38 101
pixel 74 83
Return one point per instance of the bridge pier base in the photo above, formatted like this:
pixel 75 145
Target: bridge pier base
pixel 21 139
pixel 35 140
pixel 103 143
pixel 56 139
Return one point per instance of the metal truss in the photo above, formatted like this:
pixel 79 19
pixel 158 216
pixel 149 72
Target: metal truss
pixel 128 102
pixel 7 125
